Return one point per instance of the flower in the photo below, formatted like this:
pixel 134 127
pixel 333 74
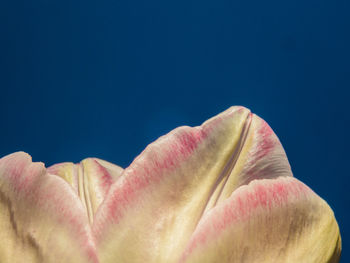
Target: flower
pixel 220 192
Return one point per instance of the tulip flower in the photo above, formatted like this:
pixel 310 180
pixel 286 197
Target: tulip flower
pixel 220 192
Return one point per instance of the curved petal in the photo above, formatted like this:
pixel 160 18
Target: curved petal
pixel 91 180
pixel 41 218
pixel 261 155
pixel 271 220
pixel 150 213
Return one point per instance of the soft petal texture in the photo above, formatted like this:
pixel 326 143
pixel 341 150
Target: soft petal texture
pixel 91 180
pixel 220 192
pixel 41 219
pixel 151 212
pixel 280 220
pixel 259 155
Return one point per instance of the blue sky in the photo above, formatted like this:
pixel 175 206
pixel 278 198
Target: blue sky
pixel 105 78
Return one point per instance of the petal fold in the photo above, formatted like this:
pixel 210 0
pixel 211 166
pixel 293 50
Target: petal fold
pixel 151 212
pixel 90 179
pixel 41 218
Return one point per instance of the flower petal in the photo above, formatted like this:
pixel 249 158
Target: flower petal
pixel 41 218
pixel 91 180
pixel 151 212
pixel 271 220
pixel 260 156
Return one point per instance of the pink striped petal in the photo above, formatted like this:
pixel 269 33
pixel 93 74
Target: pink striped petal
pixel 151 212
pixel 220 192
pixel 271 220
pixel 41 219
pixel 91 180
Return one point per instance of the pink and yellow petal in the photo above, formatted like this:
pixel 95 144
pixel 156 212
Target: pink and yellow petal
pixel 151 212
pixel 270 220
pixel 91 180
pixel 260 156
pixel 221 192
pixel 41 219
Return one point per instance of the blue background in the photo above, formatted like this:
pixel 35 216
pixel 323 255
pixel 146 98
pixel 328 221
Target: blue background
pixel 105 78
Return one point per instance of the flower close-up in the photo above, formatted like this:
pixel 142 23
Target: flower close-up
pixel 220 192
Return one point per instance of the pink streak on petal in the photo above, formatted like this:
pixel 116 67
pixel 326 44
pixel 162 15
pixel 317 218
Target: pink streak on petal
pixel 30 181
pixel 185 144
pixel 266 143
pixel 106 179
pixel 242 204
